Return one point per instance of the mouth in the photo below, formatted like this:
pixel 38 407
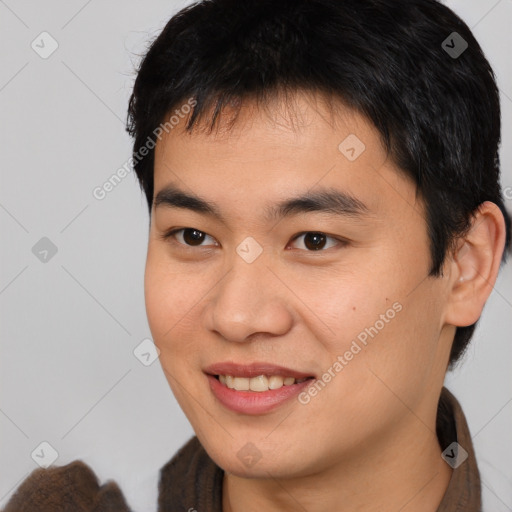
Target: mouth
pixel 258 384
pixel 254 389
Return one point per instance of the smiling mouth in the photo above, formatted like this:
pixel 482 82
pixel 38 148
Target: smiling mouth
pixel 258 384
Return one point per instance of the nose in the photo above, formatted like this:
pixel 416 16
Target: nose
pixel 247 302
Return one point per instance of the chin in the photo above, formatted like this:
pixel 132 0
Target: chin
pixel 250 462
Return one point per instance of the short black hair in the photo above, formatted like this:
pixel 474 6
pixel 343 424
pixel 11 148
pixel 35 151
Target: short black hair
pixel 434 102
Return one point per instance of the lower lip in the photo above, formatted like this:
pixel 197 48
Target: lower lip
pixel 254 402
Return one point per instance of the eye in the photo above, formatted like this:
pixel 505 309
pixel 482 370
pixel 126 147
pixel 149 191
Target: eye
pixel 191 237
pixel 316 241
pixel 188 236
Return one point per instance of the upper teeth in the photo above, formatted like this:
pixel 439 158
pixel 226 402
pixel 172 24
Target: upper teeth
pixel 259 383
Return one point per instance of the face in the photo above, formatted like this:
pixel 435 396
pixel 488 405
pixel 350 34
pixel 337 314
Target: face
pixel 299 253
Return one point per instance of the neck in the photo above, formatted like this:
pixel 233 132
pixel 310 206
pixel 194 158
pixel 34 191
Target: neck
pixel 403 472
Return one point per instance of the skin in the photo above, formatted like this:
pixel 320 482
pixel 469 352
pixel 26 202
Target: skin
pixel 367 440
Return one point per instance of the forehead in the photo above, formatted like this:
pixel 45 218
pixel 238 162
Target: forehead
pixel 281 148
pixel 283 117
pixel 281 129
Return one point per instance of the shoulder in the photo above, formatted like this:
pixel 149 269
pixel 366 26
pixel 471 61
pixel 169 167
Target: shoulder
pixel 191 451
pixel 71 487
pixel 190 478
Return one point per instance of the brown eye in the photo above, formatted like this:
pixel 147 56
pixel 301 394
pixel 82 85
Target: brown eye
pixel 193 236
pixel 189 237
pixel 316 241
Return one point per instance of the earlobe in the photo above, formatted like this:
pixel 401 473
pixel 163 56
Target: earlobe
pixel 474 266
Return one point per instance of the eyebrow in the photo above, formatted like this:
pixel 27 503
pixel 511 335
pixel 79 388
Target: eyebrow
pixel 329 201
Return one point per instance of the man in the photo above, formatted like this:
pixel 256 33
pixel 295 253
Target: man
pixel 326 226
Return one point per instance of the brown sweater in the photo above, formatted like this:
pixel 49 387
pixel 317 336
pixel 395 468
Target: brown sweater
pixel 192 481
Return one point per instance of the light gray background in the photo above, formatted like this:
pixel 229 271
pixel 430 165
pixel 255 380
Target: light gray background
pixel 69 326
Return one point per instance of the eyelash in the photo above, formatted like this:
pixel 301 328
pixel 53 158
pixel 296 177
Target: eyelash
pixel 171 235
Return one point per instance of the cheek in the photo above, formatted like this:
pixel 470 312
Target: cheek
pixel 170 296
pixel 401 348
pixel 376 324
pixel 344 304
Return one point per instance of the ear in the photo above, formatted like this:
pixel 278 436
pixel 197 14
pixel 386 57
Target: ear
pixel 474 266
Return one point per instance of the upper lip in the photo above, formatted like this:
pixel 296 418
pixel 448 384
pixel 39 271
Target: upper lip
pixel 253 370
